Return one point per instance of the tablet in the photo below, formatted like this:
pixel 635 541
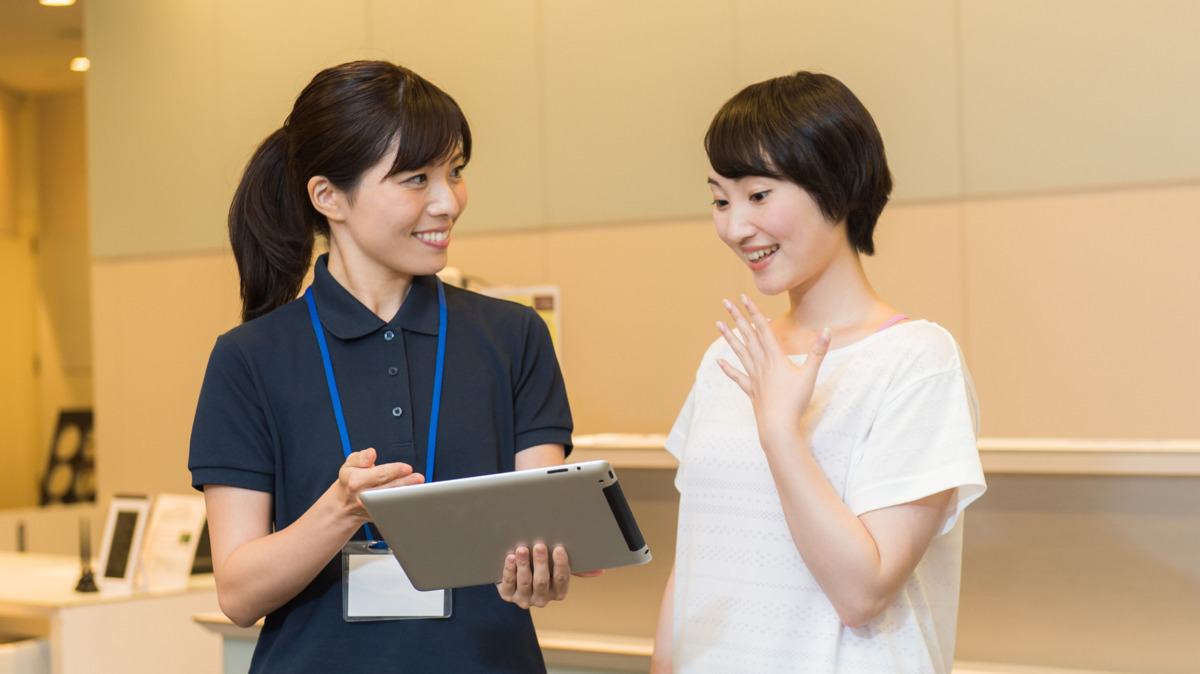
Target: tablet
pixel 457 533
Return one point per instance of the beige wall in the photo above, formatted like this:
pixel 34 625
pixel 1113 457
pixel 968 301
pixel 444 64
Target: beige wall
pixel 1045 210
pixel 64 301
pixel 46 347
pixel 18 278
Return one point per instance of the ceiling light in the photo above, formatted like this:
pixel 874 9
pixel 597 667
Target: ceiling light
pixel 56 3
pixel 80 64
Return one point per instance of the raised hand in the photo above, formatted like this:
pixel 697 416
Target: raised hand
pixel 779 390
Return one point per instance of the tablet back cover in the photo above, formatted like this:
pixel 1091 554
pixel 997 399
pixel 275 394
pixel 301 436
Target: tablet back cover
pixel 457 533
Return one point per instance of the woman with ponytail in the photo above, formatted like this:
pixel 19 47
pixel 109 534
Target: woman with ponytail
pixel 319 396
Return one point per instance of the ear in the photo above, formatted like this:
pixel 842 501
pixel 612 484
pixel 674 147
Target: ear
pixel 326 198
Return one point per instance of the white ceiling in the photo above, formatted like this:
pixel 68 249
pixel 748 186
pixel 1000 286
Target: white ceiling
pixel 37 44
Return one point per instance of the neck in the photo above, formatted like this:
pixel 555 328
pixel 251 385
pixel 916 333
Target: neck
pixel 380 290
pixel 841 299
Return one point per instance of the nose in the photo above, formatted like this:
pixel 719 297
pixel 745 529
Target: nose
pixel 738 225
pixel 448 198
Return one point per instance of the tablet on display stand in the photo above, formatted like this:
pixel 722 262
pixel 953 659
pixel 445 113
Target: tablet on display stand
pixel 119 553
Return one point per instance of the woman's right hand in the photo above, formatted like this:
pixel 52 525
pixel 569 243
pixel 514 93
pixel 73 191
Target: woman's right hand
pixel 359 473
pixel 258 569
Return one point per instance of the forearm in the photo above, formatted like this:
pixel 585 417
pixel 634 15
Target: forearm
pixel 664 636
pixel 262 574
pixel 835 545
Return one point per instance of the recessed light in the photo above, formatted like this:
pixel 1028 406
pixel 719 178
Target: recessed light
pixel 56 3
pixel 80 64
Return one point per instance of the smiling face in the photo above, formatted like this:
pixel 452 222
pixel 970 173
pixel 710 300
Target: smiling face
pixel 398 226
pixel 777 229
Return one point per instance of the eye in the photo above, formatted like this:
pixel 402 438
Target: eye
pixel 419 179
pixel 720 203
pixel 758 197
pixel 458 170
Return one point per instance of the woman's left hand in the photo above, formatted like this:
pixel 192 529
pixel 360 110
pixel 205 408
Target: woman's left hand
pixel 779 389
pixel 531 578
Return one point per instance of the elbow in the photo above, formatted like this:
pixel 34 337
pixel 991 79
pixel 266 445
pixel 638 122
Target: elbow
pixel 856 620
pixel 242 619
pixel 238 615
pixel 861 612
pixel 242 622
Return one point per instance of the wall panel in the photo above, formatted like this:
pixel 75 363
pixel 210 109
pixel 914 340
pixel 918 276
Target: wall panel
pixel 156 165
pixel 10 107
pixel 156 321
pixel 509 259
pixel 1081 313
pixel 1076 93
pixel 918 266
pixel 639 309
pixel 899 58
pixel 630 88
pixel 264 58
pixel 1096 573
pixel 24 460
pixel 487 56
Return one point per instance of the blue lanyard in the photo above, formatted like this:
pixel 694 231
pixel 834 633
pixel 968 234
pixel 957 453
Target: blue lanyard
pixel 431 448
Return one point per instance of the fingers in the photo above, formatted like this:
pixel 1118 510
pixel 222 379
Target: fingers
pixel 748 346
pixel 524 578
pixel 361 459
pixel 739 321
pixel 819 348
pixel 757 341
pixel 589 574
pixel 761 323
pixel 359 473
pixel 562 573
pixel 535 577
pixel 740 378
pixel 508 579
pixel 540 590
pixel 821 343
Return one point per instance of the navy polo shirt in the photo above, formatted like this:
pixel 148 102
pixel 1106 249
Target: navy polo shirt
pixel 265 422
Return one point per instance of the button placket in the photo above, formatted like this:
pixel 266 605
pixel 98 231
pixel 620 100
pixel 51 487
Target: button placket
pixel 393 370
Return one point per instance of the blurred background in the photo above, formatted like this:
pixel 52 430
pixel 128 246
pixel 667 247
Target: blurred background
pixel 1047 165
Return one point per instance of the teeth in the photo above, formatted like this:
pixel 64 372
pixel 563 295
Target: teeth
pixel 432 237
pixel 760 254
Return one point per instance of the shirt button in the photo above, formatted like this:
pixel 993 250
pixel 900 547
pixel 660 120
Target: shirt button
pixel 393 370
pixel 389 335
pixel 396 411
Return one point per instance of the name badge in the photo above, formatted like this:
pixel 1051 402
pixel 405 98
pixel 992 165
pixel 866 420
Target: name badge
pixel 375 587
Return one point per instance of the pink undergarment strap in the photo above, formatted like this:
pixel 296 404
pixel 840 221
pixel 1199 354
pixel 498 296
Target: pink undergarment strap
pixel 892 321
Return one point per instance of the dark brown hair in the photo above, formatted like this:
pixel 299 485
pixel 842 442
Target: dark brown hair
pixel 341 124
pixel 812 130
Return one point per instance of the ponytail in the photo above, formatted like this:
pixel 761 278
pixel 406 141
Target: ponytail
pixel 270 230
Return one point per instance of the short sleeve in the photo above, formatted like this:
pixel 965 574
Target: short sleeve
pixel 679 432
pixel 677 438
pixel 231 440
pixel 542 413
pixel 923 441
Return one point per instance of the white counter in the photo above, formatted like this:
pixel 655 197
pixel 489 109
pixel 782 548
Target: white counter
pixel 97 633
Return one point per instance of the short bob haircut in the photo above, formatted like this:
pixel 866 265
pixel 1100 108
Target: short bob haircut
pixel 812 130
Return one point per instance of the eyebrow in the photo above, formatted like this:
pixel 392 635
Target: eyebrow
pixel 713 182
